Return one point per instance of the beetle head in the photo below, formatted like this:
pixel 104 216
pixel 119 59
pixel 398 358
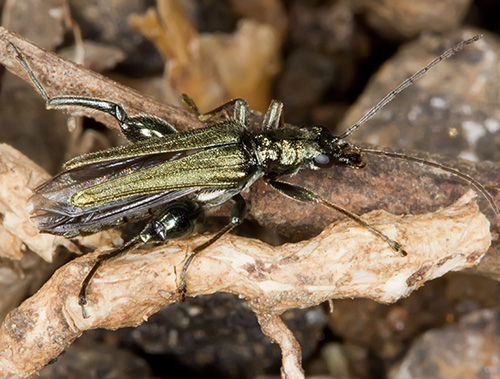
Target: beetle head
pixel 336 152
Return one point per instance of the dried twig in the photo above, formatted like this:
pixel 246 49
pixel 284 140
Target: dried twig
pixel 343 261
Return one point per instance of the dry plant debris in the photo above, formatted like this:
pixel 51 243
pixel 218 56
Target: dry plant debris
pixel 213 68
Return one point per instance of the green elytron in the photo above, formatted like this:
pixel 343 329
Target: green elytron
pixel 172 178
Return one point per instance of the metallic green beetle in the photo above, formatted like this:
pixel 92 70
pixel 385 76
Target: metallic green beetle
pixel 172 177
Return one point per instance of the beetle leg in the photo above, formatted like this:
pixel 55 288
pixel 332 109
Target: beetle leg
pixel 142 127
pixel 303 194
pixel 135 128
pixel 179 219
pixel 273 119
pixel 82 296
pixel 237 215
pixel 240 110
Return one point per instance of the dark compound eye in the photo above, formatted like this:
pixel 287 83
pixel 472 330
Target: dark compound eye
pixel 323 161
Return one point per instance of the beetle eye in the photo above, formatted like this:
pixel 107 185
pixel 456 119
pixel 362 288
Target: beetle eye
pixel 323 161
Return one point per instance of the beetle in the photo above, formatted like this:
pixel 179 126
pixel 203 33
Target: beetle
pixel 174 177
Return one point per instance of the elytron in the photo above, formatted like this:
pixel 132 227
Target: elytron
pixel 173 177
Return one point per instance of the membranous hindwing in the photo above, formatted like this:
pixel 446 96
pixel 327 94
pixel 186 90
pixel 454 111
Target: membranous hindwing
pixel 174 178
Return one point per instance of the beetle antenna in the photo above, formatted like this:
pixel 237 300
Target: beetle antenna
pixel 467 178
pixel 408 82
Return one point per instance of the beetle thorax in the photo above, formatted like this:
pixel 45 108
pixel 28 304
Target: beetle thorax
pixel 278 155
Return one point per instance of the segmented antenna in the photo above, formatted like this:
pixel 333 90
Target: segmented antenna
pixel 409 81
pixel 467 178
